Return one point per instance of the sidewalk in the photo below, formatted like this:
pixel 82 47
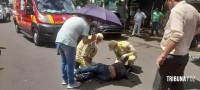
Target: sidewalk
pixel 153 41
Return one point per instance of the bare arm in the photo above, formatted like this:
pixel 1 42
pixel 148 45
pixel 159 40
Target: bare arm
pixel 197 29
pixel 170 46
pixel 85 53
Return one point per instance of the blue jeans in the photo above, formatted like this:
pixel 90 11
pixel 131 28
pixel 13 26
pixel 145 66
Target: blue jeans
pixel 68 61
pixel 101 71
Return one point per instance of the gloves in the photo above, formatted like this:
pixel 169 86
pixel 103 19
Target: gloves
pixel 122 57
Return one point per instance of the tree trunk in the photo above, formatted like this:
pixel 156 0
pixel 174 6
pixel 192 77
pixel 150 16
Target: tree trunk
pixel 127 24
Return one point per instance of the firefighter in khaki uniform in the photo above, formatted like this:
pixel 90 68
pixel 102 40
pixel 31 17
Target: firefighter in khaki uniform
pixel 124 51
pixel 85 52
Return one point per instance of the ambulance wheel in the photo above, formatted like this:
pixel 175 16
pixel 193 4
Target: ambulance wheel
pixel 36 38
pixel 17 28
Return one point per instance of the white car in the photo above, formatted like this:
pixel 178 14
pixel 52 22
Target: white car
pixel 2 13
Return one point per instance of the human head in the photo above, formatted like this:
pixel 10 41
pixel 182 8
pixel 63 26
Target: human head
pixel 172 3
pixel 89 19
pixel 99 38
pixel 112 45
pixel 156 9
pixel 139 10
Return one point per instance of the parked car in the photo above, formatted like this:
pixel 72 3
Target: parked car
pixel 104 28
pixel 2 13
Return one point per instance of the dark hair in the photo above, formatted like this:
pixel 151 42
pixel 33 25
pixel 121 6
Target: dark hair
pixel 88 17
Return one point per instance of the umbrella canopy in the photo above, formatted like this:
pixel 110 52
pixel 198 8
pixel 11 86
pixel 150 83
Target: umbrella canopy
pixel 100 13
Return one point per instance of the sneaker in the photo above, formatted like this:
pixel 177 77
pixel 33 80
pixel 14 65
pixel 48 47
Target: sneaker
pixel 63 82
pixel 76 84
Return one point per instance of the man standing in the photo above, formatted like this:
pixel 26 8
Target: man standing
pixel 124 51
pixel 156 16
pixel 66 42
pixel 86 52
pixel 179 32
pixel 138 18
pixel 8 12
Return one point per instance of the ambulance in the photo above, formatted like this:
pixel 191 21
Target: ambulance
pixel 40 20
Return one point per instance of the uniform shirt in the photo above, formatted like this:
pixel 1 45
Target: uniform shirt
pixel 156 16
pixel 180 28
pixel 89 50
pixel 124 47
pixel 71 30
pixel 139 16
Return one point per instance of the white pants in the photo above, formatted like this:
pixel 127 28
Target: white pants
pixel 137 26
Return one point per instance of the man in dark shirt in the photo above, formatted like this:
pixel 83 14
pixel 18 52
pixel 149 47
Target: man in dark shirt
pixel 102 71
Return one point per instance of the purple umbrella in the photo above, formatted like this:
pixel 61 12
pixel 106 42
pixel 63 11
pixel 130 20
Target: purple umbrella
pixel 100 13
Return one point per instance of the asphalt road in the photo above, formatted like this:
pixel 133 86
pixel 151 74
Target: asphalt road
pixel 24 66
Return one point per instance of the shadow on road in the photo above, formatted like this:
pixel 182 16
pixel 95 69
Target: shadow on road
pixel 49 45
pixel 133 80
pixel 7 21
pixel 192 85
pixel 145 35
pixel 137 69
pixel 1 48
pixel 44 44
pixel 0 55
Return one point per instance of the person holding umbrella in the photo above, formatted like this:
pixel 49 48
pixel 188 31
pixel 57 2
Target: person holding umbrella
pixel 66 42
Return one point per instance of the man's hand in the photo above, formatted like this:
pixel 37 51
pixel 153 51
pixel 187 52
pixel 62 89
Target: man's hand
pixel 93 37
pixel 88 59
pixel 170 46
pixel 160 60
pixel 124 58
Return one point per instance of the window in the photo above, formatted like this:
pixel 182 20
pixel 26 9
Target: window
pixel 22 5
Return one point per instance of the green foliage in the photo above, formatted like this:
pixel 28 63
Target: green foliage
pixel 6 1
pixel 106 2
pixel 78 2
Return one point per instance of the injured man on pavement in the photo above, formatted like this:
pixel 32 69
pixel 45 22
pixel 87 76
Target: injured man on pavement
pixel 101 71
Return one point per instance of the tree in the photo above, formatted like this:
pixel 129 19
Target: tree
pixel 81 2
pixel 6 1
pixel 106 2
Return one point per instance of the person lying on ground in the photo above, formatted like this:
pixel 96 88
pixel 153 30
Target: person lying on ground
pixel 102 71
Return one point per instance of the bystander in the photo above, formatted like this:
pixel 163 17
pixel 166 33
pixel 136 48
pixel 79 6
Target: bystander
pixel 179 32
